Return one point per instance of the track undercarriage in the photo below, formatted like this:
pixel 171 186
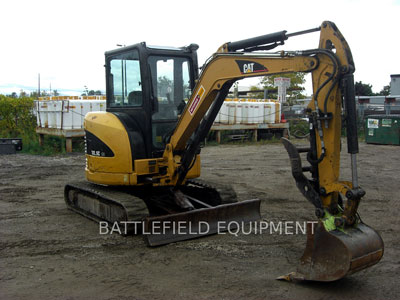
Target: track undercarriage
pixel 155 212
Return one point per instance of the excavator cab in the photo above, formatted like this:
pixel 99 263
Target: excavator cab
pixel 148 87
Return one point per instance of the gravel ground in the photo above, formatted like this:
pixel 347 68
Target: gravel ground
pixel 49 252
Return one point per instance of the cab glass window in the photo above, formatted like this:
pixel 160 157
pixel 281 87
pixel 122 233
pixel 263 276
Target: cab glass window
pixel 171 85
pixel 171 89
pixel 125 80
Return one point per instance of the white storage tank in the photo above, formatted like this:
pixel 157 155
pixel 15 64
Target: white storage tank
pixel 66 112
pixel 269 112
pixel 81 106
pixel 251 114
pixel 43 113
pixel 51 114
pixel 86 107
pixel 72 115
pixel 258 113
pixel 231 112
pixel 239 112
pixel 97 105
pixel 59 116
pixel 245 112
pixel 248 113
pixel 54 108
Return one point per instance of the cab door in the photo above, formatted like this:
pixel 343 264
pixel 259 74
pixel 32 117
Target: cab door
pixel 171 85
pixel 126 97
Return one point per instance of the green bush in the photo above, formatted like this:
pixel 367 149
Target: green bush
pixel 16 117
pixel 17 120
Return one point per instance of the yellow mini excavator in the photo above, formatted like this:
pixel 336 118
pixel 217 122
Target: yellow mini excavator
pixel 143 153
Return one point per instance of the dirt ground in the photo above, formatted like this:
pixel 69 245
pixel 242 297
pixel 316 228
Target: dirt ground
pixel 49 252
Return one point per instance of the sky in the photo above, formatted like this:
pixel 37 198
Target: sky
pixel 65 41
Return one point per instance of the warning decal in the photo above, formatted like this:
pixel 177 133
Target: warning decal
pixel 196 100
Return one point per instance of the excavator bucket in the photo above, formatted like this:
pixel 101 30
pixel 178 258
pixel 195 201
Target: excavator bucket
pixel 332 255
pixel 165 229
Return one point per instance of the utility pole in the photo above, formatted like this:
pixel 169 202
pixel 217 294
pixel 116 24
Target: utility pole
pixel 39 85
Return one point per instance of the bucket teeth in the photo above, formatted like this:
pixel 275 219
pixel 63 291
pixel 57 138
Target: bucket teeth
pixel 332 255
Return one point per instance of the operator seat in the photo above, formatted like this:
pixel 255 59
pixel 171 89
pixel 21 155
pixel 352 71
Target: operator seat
pixel 135 98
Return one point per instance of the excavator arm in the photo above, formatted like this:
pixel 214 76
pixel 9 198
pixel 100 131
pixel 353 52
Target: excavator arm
pixel 228 65
pixel 213 86
pixel 352 245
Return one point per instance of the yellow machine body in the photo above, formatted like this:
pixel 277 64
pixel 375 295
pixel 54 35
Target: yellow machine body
pixel 119 169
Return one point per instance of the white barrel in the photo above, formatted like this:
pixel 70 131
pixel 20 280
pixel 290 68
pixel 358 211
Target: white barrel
pixel 60 115
pixel 258 113
pixel 43 114
pixel 239 113
pixel 86 106
pixel 78 110
pixel 251 115
pixel 269 112
pixel 54 107
pixel 245 112
pixel 97 105
pixel 248 113
pixel 231 112
pixel 71 114
pixel 65 112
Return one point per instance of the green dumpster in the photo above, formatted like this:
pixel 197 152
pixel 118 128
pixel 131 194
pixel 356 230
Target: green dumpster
pixel 382 129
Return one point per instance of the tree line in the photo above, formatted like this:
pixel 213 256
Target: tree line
pixel 296 82
pixel 365 89
pixel 44 93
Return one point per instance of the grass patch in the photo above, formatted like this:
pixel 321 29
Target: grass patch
pixel 52 145
pixel 17 120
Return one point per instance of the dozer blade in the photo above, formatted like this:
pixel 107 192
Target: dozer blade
pixel 161 230
pixel 332 255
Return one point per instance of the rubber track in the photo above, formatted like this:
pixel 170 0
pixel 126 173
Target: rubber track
pixel 134 208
